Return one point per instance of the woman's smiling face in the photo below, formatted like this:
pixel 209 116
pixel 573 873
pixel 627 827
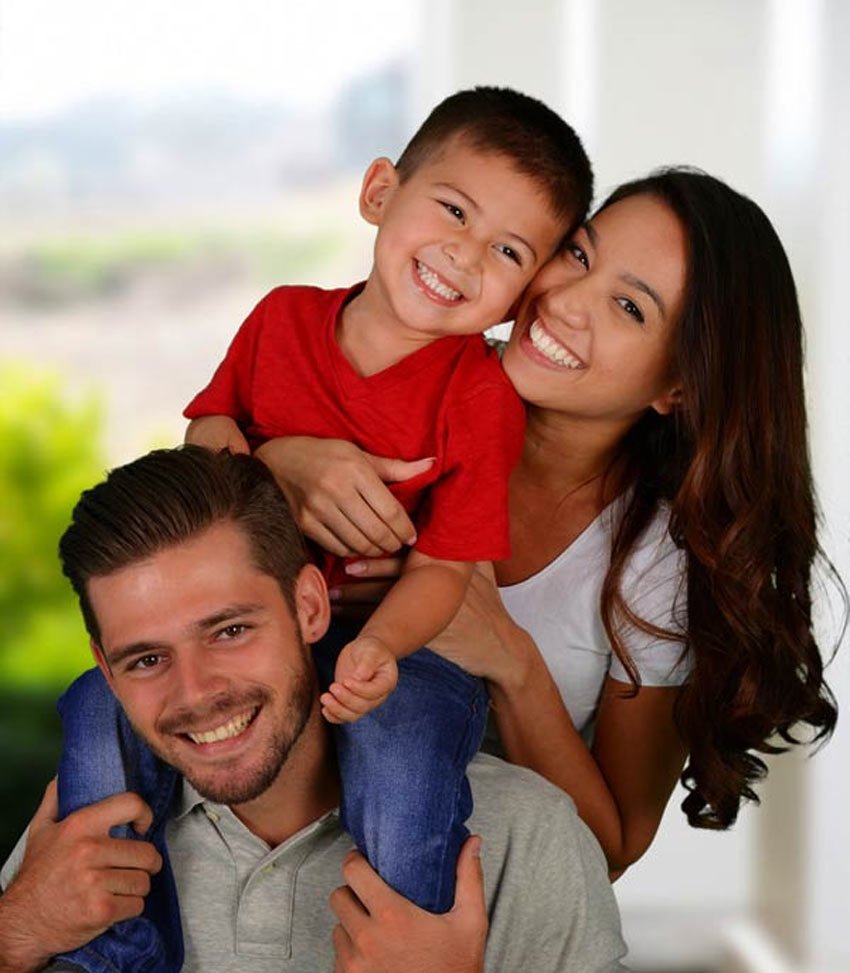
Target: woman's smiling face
pixel 593 335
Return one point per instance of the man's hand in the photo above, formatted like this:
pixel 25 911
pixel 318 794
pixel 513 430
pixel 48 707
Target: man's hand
pixel 366 673
pixel 379 931
pixel 74 881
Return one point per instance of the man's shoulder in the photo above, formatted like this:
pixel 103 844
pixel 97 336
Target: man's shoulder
pixel 517 791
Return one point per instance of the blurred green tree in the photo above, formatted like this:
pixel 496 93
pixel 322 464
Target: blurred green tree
pixel 50 451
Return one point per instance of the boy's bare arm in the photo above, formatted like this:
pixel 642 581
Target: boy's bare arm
pixel 217 432
pixel 416 609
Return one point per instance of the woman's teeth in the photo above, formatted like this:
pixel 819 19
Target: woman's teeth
pixel 551 349
pixel 433 283
pixel 227 730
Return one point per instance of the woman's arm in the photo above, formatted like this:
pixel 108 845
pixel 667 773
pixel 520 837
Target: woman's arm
pixel 622 786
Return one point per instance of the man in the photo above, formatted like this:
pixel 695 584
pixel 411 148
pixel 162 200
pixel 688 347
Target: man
pixel 201 603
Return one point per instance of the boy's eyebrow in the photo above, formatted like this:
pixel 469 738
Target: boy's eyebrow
pixel 199 627
pixel 641 285
pixel 474 206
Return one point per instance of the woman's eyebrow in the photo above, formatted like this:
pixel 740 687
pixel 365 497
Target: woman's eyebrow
pixel 642 285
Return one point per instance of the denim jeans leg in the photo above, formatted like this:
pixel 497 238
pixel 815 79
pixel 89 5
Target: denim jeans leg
pixel 103 756
pixel 405 796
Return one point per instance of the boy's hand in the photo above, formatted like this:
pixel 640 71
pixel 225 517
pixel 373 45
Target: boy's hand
pixel 75 880
pixel 216 433
pixel 366 673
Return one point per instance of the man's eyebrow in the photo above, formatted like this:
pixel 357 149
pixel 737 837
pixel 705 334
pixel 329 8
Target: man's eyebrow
pixel 471 203
pixel 149 646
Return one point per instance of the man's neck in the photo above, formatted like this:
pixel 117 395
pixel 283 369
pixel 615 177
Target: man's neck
pixel 306 788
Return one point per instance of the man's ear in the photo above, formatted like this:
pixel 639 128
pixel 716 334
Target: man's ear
pixel 379 183
pixel 312 608
pixel 100 659
pixel 669 401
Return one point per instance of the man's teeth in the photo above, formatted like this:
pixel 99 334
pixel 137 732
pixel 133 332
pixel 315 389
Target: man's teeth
pixel 433 283
pixel 224 732
pixel 549 348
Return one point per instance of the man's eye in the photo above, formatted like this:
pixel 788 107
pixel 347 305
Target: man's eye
pixel 145 662
pixel 456 211
pixel 232 631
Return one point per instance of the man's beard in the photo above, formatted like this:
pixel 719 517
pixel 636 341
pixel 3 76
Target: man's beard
pixel 227 785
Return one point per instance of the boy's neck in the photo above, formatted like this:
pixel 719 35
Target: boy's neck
pixel 371 337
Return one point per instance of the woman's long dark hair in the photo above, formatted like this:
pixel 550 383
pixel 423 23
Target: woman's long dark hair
pixel 733 464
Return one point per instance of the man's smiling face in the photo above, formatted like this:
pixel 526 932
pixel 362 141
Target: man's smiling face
pixel 208 661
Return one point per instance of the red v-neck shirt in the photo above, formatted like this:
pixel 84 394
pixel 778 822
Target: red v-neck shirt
pixel 285 375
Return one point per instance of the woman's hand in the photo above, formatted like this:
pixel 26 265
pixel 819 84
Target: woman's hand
pixel 482 638
pixel 338 494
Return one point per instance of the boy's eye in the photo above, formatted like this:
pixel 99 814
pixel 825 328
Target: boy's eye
pixel 456 211
pixel 510 253
pixel 631 309
pixel 578 254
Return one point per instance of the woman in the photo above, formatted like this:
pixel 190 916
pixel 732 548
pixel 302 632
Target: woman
pixel 656 607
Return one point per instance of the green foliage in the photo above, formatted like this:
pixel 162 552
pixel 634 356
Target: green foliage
pixel 49 453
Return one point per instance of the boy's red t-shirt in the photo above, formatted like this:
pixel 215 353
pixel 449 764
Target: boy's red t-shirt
pixel 285 375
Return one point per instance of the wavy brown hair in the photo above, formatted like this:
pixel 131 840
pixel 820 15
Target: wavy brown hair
pixel 733 464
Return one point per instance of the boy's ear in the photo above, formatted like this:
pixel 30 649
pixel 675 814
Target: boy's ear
pixel 379 183
pixel 669 401
pixel 312 608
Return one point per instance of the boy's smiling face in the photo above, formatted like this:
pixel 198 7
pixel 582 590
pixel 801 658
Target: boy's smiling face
pixel 457 241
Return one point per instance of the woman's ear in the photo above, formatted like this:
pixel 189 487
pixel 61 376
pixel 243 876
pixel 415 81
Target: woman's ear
pixel 669 401
pixel 312 608
pixel 379 183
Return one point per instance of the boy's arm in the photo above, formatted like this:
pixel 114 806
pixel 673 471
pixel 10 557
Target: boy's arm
pixel 217 432
pixel 416 609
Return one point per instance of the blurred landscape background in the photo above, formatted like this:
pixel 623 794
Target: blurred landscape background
pixel 161 167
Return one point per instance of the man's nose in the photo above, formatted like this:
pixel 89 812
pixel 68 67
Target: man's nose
pixel 193 682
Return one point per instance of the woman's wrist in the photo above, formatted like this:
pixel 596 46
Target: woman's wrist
pixel 515 664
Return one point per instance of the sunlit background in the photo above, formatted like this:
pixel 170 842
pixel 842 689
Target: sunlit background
pixel 163 164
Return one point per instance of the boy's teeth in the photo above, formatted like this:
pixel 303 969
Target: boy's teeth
pixel 551 349
pixel 433 283
pixel 227 730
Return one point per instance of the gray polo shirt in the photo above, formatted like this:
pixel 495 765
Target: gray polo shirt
pixel 247 906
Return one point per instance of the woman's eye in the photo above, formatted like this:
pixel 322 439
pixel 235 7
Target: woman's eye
pixel 456 211
pixel 578 254
pixel 510 253
pixel 631 309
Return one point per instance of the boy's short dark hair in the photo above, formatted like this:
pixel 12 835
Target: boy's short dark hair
pixel 503 121
pixel 168 497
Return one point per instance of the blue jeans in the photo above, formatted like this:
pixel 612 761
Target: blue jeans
pixel 405 796
pixel 103 756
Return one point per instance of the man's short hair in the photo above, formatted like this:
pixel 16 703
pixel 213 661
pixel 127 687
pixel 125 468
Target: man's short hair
pixel 170 496
pixel 505 122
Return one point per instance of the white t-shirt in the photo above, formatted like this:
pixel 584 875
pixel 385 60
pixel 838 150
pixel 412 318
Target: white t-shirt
pixel 560 608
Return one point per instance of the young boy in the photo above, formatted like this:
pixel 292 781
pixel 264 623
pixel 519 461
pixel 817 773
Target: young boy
pixel 478 201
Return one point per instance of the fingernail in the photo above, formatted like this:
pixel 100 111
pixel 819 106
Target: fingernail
pixel 413 539
pixel 476 847
pixel 356 567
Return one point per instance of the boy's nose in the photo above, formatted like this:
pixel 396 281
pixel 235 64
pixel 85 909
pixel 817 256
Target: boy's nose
pixel 463 254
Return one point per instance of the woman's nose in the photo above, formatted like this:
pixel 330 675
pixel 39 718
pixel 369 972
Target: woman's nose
pixel 569 303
